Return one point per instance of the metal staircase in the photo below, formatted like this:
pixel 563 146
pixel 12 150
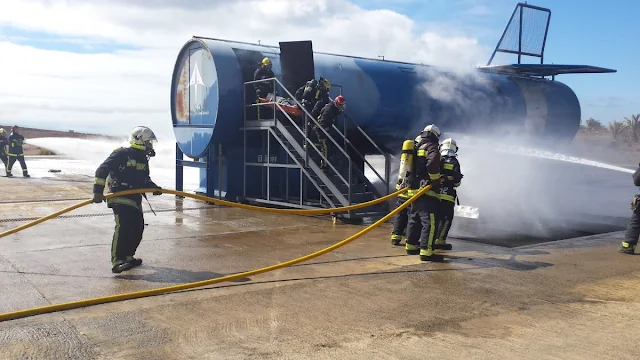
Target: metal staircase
pixel 342 183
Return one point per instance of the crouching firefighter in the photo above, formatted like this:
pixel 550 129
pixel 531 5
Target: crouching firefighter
pixel 451 179
pixel 314 95
pixel 127 168
pixel 404 178
pixel 633 228
pixel 421 239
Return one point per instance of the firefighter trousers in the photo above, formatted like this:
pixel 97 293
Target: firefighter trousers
pixel 633 228
pixel 400 220
pixel 322 144
pixel 444 219
pixel 128 231
pixel 20 159
pixel 421 227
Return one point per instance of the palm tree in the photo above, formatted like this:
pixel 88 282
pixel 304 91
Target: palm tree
pixel 593 124
pixel 633 125
pixel 617 128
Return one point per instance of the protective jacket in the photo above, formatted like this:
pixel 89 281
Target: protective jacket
pixel 15 144
pixel 427 168
pixel 328 115
pixel 3 143
pixel 452 178
pixel 127 168
pixel 263 88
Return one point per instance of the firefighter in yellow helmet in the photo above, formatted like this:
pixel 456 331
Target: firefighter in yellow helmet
pixel 314 95
pixel 451 179
pixel 405 171
pixel 264 72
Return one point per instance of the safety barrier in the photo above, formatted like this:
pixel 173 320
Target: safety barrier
pixel 139 294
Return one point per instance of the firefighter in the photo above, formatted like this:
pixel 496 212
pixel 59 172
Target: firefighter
pixel 264 72
pixel 421 227
pixel 3 147
pixel 633 228
pixel 16 140
pixel 451 179
pixel 314 95
pixel 327 118
pixel 405 172
pixel 266 87
pixel 127 168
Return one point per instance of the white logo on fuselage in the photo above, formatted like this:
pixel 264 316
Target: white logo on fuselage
pixel 196 79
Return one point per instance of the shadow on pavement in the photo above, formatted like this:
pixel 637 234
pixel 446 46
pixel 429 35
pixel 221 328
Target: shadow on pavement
pixel 169 275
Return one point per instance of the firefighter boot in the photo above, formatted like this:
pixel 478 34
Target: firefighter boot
pixel 430 255
pixel 120 266
pixel 396 239
pixel 134 262
pixel 412 249
pixel 626 248
pixel 442 245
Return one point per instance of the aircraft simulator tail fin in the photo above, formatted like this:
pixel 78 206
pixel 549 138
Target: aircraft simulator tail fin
pixel 526 35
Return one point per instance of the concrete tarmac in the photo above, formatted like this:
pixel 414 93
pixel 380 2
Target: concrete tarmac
pixel 570 299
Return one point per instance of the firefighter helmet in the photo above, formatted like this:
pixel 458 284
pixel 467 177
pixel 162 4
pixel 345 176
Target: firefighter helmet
pixel 266 62
pixel 340 102
pixel 431 129
pixel 449 147
pixel 325 83
pixel 143 138
pixel 1 131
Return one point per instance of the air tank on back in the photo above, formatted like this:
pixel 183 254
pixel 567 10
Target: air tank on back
pixel 391 101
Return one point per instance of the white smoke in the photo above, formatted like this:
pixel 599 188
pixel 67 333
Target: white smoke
pixel 88 154
pixel 521 187
pixel 452 98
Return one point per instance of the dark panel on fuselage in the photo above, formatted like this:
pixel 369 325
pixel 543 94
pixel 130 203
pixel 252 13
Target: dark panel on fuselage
pixel 296 63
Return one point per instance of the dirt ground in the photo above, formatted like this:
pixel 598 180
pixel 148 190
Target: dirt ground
pixel 601 146
pixel 31 133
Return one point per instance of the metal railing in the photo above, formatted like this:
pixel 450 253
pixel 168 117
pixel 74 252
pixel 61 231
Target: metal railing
pixel 300 131
pixel 305 132
pixel 387 162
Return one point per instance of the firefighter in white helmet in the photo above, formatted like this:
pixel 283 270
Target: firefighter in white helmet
pixel 421 239
pixel 451 179
pixel 127 168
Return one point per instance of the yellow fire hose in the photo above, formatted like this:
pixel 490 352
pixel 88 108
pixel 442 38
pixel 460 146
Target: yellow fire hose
pixel 145 293
pixel 210 200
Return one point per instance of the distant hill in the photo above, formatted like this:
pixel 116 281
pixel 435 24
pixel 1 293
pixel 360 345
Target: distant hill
pixel 33 133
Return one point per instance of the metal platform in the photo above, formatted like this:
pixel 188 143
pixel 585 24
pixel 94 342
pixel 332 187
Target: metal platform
pixel 283 135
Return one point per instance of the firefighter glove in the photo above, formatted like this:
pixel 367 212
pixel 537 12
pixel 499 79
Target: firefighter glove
pixel 157 192
pixel 98 198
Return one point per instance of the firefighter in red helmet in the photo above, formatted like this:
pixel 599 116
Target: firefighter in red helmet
pixel 326 119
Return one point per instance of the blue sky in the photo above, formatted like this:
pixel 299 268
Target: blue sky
pixel 585 32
